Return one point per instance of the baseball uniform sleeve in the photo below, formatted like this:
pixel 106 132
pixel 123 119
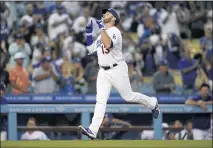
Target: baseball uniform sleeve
pixel 92 48
pixel 115 36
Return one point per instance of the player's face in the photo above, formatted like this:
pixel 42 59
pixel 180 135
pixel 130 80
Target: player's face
pixel 107 17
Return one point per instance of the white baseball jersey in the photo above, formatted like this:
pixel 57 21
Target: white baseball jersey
pixel 107 57
pixel 116 76
pixel 36 135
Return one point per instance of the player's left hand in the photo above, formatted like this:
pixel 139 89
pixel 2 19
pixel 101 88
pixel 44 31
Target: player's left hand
pixel 100 24
pixel 89 28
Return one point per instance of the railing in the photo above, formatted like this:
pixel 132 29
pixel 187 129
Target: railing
pixel 87 109
pixel 84 99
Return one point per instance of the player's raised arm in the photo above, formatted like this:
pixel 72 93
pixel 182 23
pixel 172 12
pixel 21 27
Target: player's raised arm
pixel 90 44
pixel 104 36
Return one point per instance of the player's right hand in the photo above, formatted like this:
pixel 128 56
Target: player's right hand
pixel 89 27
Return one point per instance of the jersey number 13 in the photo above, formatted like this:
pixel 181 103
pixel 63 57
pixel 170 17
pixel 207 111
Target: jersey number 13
pixel 104 49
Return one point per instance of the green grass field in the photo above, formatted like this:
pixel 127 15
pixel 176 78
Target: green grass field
pixel 107 144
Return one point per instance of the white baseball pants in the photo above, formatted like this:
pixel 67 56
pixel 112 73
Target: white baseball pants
pixel 117 77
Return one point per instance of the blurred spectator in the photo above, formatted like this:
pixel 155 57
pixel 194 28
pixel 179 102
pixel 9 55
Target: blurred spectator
pixel 56 65
pixel 198 15
pixel 59 43
pixel 143 13
pixel 13 13
pixel 58 22
pixel 39 37
pixel 19 76
pixel 27 23
pixel 199 57
pixel 73 8
pixel 163 81
pixel 188 67
pixel 78 74
pixel 170 135
pixel 20 9
pixel 66 81
pixel 200 79
pixel 55 5
pixel 174 45
pixel 4 29
pixel 135 77
pixel 40 11
pixel 4 76
pixel 4 124
pixel 73 49
pixel 3 61
pixel 150 43
pixel 209 68
pixel 184 19
pixel 109 121
pixel 147 52
pixel 129 47
pixel 44 77
pixel 80 23
pixel 90 74
pixel 20 46
pixel 158 13
pixel 28 18
pixel 186 133
pixel 33 134
pixel 174 134
pixel 206 41
pixel 38 53
pixel 119 6
pixel 178 125
pixel 201 122
pixel 170 22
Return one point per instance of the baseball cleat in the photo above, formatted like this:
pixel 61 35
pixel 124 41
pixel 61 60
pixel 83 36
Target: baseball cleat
pixel 86 131
pixel 156 111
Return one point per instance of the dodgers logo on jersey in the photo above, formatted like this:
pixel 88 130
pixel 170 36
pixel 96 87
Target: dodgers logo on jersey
pixel 114 37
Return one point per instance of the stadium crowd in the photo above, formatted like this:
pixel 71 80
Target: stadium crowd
pixel 43 48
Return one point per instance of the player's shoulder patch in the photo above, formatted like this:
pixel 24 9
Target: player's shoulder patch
pixel 114 36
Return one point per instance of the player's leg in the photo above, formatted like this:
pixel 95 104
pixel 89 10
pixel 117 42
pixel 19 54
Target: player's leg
pixel 103 90
pixel 120 80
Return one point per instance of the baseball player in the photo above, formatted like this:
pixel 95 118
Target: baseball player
pixel 113 71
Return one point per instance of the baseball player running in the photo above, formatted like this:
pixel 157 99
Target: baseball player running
pixel 113 71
